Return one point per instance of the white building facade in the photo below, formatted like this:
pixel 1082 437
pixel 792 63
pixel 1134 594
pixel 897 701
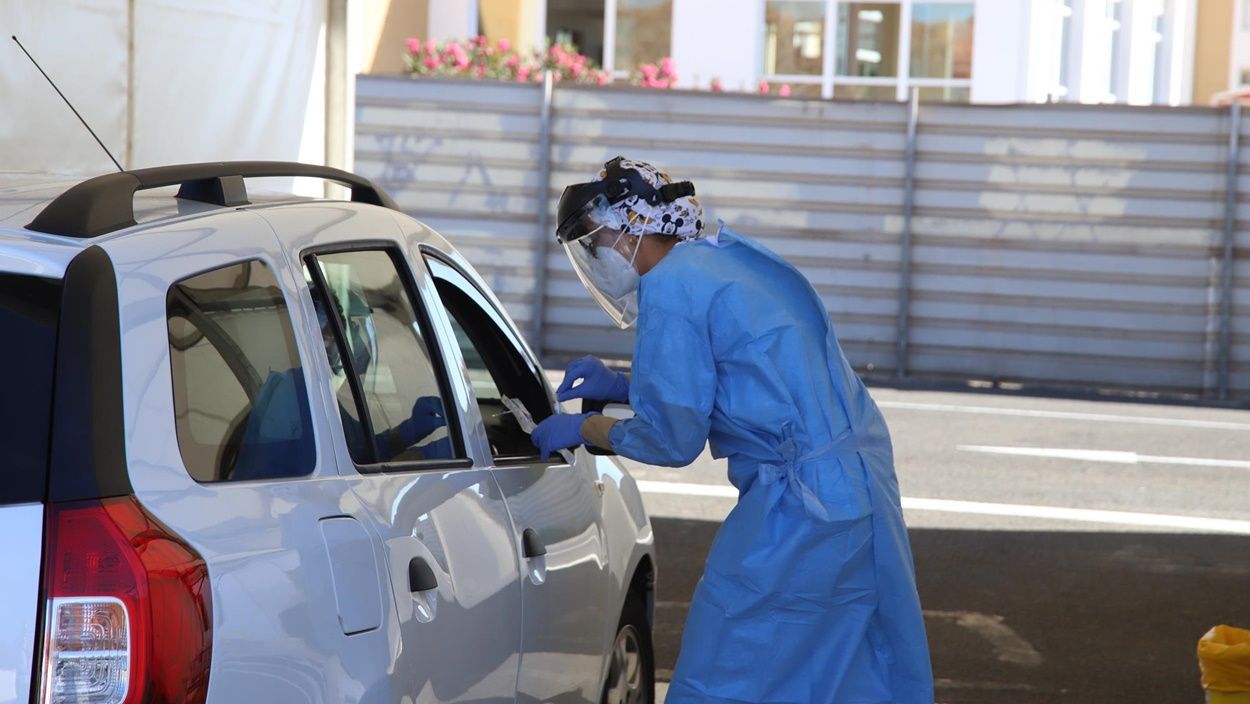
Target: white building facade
pixel 984 51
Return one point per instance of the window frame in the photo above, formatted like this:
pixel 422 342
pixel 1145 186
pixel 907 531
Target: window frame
pixel 829 80
pixel 295 335
pixel 394 251
pixel 609 38
pixel 430 251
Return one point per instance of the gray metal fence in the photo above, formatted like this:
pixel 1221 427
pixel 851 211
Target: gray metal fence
pixel 1070 245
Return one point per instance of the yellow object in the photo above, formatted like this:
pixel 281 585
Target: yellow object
pixel 1224 658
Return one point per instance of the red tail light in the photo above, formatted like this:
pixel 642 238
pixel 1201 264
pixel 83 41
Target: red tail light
pixel 128 608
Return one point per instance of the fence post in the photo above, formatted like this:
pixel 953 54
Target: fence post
pixel 905 246
pixel 544 218
pixel 1224 350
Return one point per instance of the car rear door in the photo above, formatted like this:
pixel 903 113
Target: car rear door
pixel 227 445
pixel 400 444
pixel 570 603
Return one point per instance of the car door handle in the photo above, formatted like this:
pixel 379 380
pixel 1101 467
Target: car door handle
pixel 532 544
pixel 420 577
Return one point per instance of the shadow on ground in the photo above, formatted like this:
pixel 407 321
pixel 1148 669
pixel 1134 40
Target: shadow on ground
pixel 1036 617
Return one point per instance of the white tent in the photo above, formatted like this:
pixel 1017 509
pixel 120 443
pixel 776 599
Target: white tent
pixel 173 81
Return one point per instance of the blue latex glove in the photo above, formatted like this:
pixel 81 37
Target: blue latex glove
pixel 559 431
pixel 598 382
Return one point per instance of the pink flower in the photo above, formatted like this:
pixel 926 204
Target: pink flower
pixel 649 71
pixel 479 40
pixel 784 91
pixel 504 46
pixel 431 62
pixel 480 71
pixel 764 88
pixel 431 47
pixel 717 86
pixel 602 78
pixel 523 74
pixel 512 61
pixel 414 46
pixel 462 61
pixel 667 67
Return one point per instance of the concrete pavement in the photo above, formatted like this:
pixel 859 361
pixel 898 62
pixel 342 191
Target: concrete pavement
pixel 1066 550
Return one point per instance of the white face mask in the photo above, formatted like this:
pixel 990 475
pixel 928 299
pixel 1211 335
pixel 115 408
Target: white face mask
pixel 614 275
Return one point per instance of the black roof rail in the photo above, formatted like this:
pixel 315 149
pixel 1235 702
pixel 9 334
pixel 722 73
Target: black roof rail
pixel 105 203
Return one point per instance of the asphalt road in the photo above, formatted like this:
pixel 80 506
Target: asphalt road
pixel 1066 550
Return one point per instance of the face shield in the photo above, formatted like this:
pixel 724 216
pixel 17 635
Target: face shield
pixel 357 321
pixel 591 224
pixel 603 260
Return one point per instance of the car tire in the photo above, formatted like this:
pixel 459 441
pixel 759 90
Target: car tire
pixel 631 661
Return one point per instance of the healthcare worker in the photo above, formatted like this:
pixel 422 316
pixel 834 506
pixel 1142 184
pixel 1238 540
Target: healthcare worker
pixel 809 592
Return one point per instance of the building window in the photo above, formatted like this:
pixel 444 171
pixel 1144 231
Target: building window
pixel 871 50
pixel 941 41
pixel 577 22
pixel 794 43
pixel 868 39
pixel 620 35
pixel 643 33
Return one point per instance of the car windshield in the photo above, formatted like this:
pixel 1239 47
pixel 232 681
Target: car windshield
pixel 29 309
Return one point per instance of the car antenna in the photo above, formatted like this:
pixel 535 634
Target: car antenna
pixel 71 105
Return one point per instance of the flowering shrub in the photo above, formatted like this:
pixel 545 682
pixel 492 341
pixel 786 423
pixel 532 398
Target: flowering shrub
pixel 663 75
pixel 764 88
pixel 479 58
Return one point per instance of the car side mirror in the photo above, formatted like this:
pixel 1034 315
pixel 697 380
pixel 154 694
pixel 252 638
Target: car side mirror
pixel 620 411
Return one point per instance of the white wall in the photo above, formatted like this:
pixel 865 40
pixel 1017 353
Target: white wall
pixel 1000 51
pixel 718 39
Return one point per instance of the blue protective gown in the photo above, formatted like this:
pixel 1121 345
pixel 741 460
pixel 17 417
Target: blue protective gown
pixel 809 592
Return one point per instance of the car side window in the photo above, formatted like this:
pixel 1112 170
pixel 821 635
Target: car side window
pixel 388 383
pixel 497 366
pixel 240 404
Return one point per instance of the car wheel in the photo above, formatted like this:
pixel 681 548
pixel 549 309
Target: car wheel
pixel 631 668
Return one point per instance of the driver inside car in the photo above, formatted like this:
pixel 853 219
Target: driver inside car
pixel 273 437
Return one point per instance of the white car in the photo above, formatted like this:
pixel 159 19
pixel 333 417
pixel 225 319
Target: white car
pixel 257 450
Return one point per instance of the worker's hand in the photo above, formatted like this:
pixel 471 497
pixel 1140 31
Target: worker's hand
pixel 558 432
pixel 598 382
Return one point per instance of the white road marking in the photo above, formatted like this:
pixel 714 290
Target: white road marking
pixel 1066 415
pixel 1008 646
pixel 1081 515
pixel 719 491
pixel 1110 456
pixel 1055 513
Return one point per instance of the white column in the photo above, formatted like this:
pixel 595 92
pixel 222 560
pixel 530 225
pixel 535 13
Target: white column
pixel 903 93
pixel 1183 22
pixel 609 35
pixel 718 39
pixel 1001 42
pixel 452 19
pixel 1144 64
